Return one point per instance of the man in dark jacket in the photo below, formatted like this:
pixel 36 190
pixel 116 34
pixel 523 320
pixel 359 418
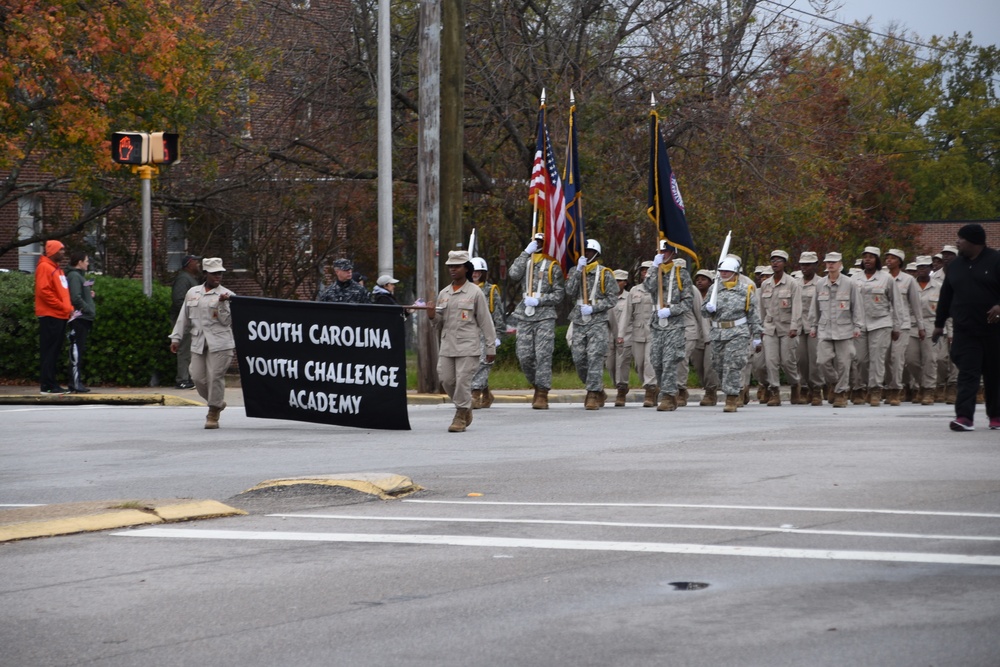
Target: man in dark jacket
pixel 970 295
pixel 80 322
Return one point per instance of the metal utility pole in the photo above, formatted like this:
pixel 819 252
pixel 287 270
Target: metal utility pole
pixel 384 143
pixel 452 126
pixel 428 187
pixel 146 180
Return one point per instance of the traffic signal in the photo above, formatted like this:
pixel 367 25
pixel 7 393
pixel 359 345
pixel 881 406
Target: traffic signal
pixel 165 148
pixel 130 147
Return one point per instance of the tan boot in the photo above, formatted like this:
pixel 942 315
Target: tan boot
pixel 828 393
pixel 981 396
pixel 487 398
pixel 682 397
pixel 667 404
pixel 745 395
pixel 939 394
pixel 797 397
pixel 732 402
pixel 541 399
pixel 858 397
pixel 621 396
pixel 774 396
pixel 817 398
pixel 893 397
pixel 875 396
pixel 477 399
pixel 602 398
pixel 950 393
pixel 710 398
pixel 840 399
pixel 212 420
pixel 917 396
pixel 592 402
pixel 649 400
pixel 458 421
pixel 468 416
pixel 928 398
pixel 761 394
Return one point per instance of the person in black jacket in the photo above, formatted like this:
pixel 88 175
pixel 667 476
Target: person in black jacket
pixel 384 292
pixel 970 295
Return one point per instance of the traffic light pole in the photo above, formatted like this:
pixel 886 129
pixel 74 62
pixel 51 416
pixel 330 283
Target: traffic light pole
pixel 146 173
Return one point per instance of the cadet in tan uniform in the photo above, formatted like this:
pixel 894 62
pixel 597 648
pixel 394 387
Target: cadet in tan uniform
pixel 881 325
pixel 910 320
pixel 701 357
pixel 634 322
pixel 837 315
pixel 619 362
pixel 810 377
pixel 920 355
pixel 781 313
pixel 461 315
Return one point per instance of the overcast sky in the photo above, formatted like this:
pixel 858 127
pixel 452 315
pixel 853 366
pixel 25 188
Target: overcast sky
pixel 924 17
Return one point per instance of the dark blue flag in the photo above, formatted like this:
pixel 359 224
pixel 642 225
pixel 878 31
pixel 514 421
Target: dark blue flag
pixel 666 207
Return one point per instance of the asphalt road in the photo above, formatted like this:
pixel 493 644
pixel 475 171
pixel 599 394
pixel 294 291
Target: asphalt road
pixel 865 536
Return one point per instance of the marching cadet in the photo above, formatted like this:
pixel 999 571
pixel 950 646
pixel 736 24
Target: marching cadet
pixel 619 361
pixel 910 321
pixel 947 372
pixel 735 328
pixel 672 292
pixel 810 378
pixel 544 289
pixel 836 317
pixel 921 361
pixel 482 397
pixel 881 324
pixel 596 292
pixel 781 312
pixel 701 357
pixel 758 358
pixel 634 322
pixel 461 316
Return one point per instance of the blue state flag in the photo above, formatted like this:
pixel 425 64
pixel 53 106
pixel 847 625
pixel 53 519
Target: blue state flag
pixel 573 188
pixel 666 207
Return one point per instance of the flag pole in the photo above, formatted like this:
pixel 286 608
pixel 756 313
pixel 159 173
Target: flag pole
pixel 656 180
pixel 530 285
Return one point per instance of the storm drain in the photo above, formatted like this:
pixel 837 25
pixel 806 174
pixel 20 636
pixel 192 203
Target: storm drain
pixel 688 585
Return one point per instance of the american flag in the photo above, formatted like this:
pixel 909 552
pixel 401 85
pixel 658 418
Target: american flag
pixel 546 190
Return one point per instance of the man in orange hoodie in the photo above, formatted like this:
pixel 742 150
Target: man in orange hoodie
pixel 53 309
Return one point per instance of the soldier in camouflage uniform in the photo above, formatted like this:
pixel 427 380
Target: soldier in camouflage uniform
pixel 482 397
pixel 734 321
pixel 536 316
pixel 344 289
pixel 590 320
pixel 667 326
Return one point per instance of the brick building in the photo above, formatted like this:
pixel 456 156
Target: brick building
pixel 932 235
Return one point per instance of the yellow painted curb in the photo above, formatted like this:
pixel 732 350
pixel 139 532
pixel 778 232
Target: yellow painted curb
pixel 80 524
pixel 386 486
pixel 200 509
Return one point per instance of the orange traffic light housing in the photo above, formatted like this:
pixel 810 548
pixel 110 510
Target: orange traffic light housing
pixel 165 148
pixel 130 147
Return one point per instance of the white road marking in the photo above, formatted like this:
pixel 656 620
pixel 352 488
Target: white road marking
pixel 981 515
pixel 573 545
pixel 615 524
pixel 22 505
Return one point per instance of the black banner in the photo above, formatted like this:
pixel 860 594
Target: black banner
pixel 331 363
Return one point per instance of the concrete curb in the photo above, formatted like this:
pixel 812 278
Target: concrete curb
pixel 70 518
pixel 106 399
pixel 385 485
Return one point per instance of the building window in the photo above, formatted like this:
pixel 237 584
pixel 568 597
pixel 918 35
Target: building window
pixel 29 224
pixel 176 243
pixel 246 129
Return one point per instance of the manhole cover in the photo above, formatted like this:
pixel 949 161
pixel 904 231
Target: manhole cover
pixel 688 585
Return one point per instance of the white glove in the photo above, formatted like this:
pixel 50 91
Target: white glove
pixel 586 309
pixel 581 263
pixel 531 301
pixel 531 247
pixel 756 342
pixel 663 313
pixel 496 343
pixel 710 307
pixel 657 260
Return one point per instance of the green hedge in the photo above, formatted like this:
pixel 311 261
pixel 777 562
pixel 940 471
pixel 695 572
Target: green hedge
pixel 128 345
pixel 562 358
